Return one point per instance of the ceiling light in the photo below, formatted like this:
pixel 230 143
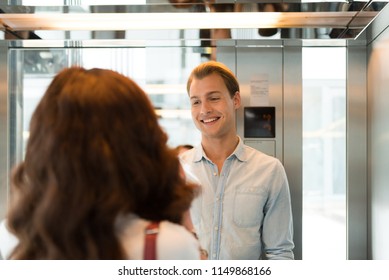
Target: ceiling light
pixel 154 21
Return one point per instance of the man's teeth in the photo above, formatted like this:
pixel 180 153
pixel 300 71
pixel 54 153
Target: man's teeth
pixel 209 120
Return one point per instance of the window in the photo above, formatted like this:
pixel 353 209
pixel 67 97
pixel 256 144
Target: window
pixel 324 153
pixel 160 71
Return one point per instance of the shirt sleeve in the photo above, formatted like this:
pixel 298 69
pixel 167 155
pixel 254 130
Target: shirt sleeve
pixel 277 230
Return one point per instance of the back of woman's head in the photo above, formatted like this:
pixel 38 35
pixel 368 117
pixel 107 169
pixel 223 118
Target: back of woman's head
pixel 95 151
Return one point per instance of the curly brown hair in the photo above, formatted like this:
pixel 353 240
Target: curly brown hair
pixel 95 152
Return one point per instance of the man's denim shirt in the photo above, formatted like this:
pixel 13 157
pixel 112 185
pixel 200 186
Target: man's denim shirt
pixel 245 211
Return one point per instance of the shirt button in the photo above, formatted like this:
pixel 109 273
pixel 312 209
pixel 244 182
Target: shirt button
pixel 214 255
pixel 216 228
pixel 214 174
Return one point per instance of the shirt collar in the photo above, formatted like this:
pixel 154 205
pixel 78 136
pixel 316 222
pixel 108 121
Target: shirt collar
pixel 239 152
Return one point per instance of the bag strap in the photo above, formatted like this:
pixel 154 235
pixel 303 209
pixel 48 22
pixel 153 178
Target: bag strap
pixel 150 251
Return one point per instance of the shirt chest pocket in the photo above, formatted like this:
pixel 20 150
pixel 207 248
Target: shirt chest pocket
pixel 248 207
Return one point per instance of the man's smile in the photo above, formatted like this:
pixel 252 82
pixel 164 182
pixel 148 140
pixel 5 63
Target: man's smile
pixel 211 120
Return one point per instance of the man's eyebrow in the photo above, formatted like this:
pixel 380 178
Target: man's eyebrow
pixel 207 94
pixel 212 92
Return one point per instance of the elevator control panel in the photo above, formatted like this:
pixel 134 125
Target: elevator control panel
pixel 259 122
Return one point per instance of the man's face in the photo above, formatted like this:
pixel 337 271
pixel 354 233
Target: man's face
pixel 213 110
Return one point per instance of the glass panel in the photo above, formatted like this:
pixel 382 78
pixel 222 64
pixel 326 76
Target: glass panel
pixel 324 153
pixel 161 72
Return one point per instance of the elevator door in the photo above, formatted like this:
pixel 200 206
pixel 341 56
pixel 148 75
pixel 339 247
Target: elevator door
pixel 270 83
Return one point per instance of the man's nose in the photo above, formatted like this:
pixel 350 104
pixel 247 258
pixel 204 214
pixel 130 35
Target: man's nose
pixel 205 108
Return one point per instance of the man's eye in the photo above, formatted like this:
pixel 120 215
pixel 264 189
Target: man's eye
pixel 195 102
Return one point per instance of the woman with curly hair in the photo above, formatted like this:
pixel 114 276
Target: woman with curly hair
pixel 97 171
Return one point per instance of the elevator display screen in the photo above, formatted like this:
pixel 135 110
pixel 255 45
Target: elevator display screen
pixel 259 122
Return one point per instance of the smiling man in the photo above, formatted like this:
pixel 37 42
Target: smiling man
pixel 243 210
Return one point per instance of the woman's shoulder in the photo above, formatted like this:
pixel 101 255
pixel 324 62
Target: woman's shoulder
pixel 8 241
pixel 176 242
pixel 173 240
pixel 175 232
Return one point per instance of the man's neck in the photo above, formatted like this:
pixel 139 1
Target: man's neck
pixel 218 149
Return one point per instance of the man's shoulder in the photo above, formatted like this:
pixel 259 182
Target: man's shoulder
pixel 188 156
pixel 255 155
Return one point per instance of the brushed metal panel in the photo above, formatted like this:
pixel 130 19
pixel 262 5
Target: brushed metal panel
pixel 3 129
pixel 356 154
pixel 282 65
pixel 257 61
pixel 376 29
pixel 292 135
pixel 378 140
pixel 227 55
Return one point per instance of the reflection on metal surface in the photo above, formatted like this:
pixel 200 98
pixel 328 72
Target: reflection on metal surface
pixel 288 20
pixel 156 21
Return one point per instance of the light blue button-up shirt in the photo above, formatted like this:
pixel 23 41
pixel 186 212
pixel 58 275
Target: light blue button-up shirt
pixel 245 211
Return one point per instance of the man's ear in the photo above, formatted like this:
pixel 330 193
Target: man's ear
pixel 237 100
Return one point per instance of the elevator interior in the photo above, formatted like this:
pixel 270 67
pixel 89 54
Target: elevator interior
pixel 269 69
